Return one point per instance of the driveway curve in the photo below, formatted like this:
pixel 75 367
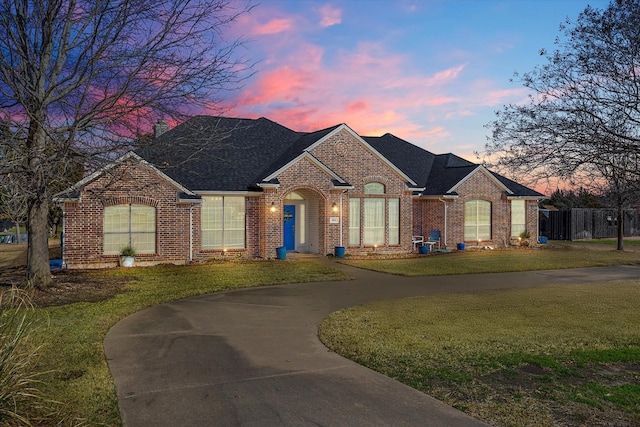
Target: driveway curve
pixel 252 357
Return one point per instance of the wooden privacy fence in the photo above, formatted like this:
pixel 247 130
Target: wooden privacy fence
pixel 581 224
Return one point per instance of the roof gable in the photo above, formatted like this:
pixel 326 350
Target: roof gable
pixel 485 171
pixel 73 192
pixel 308 156
pixel 307 142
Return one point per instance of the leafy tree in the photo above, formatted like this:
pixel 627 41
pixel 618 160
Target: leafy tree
pixel 83 77
pixel 582 121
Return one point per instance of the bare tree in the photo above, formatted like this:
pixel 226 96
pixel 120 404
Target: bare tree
pixel 83 77
pixel 582 121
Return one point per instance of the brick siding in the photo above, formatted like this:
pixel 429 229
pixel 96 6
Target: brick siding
pixel 343 153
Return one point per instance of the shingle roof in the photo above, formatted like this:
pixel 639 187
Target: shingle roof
pixel 411 159
pixel 228 154
pixel 219 154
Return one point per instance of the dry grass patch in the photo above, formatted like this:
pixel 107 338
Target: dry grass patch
pixel 566 355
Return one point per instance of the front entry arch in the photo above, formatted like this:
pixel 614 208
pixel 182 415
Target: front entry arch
pixel 301 221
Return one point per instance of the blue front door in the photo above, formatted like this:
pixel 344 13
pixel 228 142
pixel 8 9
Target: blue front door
pixel 289 221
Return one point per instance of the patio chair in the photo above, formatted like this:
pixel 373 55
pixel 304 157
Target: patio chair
pixel 434 237
pixel 417 240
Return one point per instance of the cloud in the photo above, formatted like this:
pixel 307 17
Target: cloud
pixel 370 85
pixel 329 16
pixel 274 26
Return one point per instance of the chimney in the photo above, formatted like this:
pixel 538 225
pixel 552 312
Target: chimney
pixel 160 128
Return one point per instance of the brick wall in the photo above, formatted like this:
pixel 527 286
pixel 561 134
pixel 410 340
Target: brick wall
pixel 357 165
pixel 429 213
pixel 130 182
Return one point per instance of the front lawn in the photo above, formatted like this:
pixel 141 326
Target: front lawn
pixel 72 335
pixel 496 261
pixel 565 355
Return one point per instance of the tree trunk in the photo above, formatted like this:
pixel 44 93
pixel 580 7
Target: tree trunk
pixel 620 229
pixel 38 272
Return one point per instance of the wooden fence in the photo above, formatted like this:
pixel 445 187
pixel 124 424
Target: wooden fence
pixel 581 224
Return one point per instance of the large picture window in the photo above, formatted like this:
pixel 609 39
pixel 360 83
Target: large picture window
pixel 370 217
pixel 223 222
pixel 477 220
pixel 129 224
pixel 518 217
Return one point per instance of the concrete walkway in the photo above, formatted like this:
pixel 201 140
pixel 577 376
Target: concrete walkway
pixel 252 357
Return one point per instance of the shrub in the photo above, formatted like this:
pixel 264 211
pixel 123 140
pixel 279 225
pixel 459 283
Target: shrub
pixel 20 397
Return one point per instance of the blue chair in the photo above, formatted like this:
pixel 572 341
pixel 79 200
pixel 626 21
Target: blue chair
pixel 434 237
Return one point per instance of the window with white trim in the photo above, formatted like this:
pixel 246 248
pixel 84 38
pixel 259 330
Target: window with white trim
pixel 129 224
pixel 371 218
pixel 223 222
pixel 518 217
pixel 394 221
pixel 354 222
pixel 477 220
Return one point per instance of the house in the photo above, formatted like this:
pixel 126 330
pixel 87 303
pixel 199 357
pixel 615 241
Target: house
pixel 215 185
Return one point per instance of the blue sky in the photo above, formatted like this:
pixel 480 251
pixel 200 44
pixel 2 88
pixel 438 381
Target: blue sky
pixel 430 72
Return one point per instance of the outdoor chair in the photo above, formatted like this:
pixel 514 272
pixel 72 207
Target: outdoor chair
pixel 434 237
pixel 417 241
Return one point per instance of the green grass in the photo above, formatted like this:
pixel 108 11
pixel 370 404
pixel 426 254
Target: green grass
pixel 611 242
pixel 538 356
pixel 73 341
pixel 468 262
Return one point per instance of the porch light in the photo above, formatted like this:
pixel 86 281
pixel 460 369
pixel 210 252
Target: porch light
pixel 273 207
pixel 334 207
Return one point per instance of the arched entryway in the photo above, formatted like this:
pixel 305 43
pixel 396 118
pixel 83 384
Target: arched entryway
pixel 302 223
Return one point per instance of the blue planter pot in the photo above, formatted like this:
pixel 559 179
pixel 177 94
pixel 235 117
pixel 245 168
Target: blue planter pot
pixel 424 250
pixel 339 252
pixel 542 240
pixel 461 246
pixel 281 252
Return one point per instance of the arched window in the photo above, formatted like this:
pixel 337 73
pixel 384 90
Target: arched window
pixel 477 220
pixel 129 224
pixel 374 188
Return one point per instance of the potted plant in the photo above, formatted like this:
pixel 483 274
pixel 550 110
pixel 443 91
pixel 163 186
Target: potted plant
pixel 524 238
pixel 127 256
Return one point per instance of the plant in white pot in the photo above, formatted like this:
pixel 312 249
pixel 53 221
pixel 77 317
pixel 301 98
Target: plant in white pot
pixel 127 256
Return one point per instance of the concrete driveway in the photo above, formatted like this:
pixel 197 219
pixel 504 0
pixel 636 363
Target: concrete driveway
pixel 252 357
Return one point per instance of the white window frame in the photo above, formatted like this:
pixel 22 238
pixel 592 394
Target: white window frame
pixel 518 217
pixel 223 222
pixel 475 227
pixel 134 225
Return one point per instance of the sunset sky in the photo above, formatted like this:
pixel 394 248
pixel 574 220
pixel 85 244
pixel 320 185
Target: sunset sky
pixel 430 72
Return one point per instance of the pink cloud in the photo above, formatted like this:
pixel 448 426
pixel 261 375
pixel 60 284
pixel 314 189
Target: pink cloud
pixel 274 26
pixel 329 16
pixel 370 87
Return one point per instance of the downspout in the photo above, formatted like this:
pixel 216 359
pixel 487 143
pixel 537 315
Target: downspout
pixel 190 233
pixel 445 222
pixel 341 219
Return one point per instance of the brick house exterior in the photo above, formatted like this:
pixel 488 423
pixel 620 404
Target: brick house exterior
pixel 253 186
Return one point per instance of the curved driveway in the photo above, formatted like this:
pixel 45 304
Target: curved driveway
pixel 252 357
